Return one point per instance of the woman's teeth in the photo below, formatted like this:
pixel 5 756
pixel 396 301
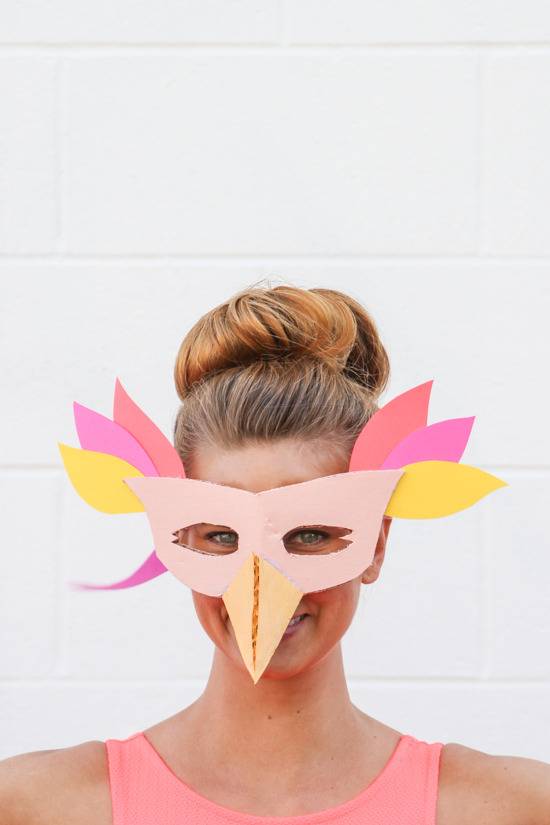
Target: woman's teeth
pixel 292 626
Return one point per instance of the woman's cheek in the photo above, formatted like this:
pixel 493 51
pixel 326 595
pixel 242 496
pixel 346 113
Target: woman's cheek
pixel 341 595
pixel 212 615
pixel 335 607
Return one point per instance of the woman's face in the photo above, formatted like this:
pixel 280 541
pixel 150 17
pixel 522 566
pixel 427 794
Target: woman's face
pixel 321 618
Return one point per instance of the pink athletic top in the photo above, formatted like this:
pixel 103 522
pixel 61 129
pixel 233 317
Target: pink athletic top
pixel 145 791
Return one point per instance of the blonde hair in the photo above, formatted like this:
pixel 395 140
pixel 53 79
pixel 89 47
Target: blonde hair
pixel 278 362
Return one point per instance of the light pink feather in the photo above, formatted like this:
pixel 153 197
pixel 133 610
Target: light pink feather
pixel 161 452
pixel 98 433
pixel 442 441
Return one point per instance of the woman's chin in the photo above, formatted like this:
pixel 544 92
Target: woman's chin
pixel 286 663
pixel 280 671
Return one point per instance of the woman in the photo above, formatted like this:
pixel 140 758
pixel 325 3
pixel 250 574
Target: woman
pixel 276 384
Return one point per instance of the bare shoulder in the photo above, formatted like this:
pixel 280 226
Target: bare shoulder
pixel 41 787
pixel 487 789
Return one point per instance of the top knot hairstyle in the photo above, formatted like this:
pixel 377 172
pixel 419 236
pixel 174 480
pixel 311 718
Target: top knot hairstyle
pixel 278 362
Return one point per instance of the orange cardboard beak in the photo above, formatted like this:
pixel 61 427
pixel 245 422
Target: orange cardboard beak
pixel 260 602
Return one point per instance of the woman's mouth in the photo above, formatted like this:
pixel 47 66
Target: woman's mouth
pixel 294 624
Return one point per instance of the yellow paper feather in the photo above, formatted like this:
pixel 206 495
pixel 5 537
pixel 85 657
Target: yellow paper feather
pixel 98 479
pixel 431 489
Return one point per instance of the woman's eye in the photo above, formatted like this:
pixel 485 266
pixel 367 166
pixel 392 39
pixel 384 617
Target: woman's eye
pixel 318 541
pixel 202 538
pixel 223 538
pixel 310 537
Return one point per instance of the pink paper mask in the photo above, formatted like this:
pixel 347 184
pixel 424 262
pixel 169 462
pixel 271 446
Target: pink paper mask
pixel 355 501
pixel 399 467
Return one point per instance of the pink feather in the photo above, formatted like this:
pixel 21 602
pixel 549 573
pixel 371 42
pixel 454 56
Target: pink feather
pixel 442 441
pixel 389 426
pixel 150 569
pixel 98 433
pixel 163 455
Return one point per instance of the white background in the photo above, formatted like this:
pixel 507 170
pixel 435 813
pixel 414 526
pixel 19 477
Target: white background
pixel 154 159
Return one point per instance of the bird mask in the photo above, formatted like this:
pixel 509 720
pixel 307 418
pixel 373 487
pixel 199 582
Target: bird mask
pixel 399 467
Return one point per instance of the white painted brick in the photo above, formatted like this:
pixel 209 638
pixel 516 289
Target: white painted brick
pixel 351 21
pixel 423 617
pixel 513 365
pixel 187 21
pixel 254 154
pixel 499 719
pixel 50 715
pixel 29 604
pixel 516 175
pixel 519 543
pixel 27 155
pixel 506 719
pixel 69 331
pixel 478 328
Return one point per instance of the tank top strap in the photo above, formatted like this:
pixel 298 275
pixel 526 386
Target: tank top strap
pixel 145 791
pixel 129 780
pixel 412 798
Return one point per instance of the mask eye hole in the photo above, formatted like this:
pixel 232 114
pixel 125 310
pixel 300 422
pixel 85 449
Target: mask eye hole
pixel 210 539
pixel 316 540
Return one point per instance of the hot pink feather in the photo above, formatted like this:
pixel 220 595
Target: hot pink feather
pixel 97 432
pixel 149 569
pixel 133 437
pixel 442 441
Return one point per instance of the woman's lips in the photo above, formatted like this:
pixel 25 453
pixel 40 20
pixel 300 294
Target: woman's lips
pixel 294 624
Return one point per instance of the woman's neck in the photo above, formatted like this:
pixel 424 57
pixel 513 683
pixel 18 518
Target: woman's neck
pixel 310 713
pixel 303 733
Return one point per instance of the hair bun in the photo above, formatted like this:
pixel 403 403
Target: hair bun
pixel 284 323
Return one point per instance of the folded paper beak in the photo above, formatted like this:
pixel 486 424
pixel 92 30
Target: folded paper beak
pixel 260 602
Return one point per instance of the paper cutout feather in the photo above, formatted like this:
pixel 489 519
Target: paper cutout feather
pixel 433 485
pixel 127 414
pixel 131 445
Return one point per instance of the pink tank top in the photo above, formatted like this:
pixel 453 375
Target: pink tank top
pixel 145 791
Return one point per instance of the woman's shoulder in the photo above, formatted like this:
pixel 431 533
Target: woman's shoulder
pixel 39 787
pixel 483 788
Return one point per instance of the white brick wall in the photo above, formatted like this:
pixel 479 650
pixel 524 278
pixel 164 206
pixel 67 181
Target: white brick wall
pixel 154 162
